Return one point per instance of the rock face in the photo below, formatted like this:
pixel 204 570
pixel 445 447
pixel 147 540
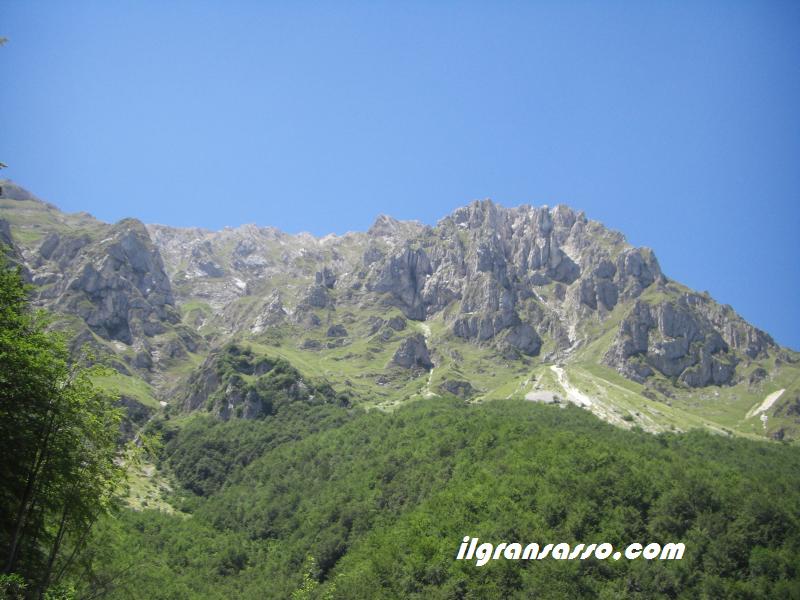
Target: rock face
pixel 514 287
pixel 674 342
pixel 325 278
pixel 459 388
pixel 112 277
pixel 317 296
pixel 272 315
pixel 5 234
pixel 117 285
pixel 512 274
pixel 684 340
pixel 413 354
pixel 403 276
pixel 10 250
pixel 504 278
pixel 119 288
pixel 336 331
pixel 397 323
pixel 235 382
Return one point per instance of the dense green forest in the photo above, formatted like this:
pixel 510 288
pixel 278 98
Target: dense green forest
pixel 339 503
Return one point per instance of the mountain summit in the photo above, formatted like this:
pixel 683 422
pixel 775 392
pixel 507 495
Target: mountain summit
pixel 536 303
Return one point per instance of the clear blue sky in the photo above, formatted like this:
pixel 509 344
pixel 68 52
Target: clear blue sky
pixel 677 123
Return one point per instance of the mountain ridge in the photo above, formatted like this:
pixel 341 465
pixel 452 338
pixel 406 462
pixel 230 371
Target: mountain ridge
pixel 491 298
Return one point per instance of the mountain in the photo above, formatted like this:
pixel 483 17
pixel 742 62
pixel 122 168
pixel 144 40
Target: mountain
pixel 534 303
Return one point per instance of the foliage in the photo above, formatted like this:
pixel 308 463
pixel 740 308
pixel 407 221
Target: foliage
pixel 58 439
pixel 380 503
pixel 12 587
pixel 261 383
pixel 206 453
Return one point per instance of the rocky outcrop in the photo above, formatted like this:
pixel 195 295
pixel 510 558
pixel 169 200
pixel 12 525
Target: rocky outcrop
pixel 271 315
pixel 674 340
pixel 512 274
pixel 374 325
pixel 61 250
pixel 111 276
pixel 384 226
pixel 735 331
pixel 9 250
pixel 487 308
pixel 790 408
pixel 598 289
pixel 637 269
pixel 397 323
pixel 387 227
pixel 403 277
pixel 117 286
pixel 520 339
pixel 413 354
pixel 234 382
pixel 325 278
pixel 5 234
pixel 317 296
pixel 336 331
pixel 458 388
pixel 210 268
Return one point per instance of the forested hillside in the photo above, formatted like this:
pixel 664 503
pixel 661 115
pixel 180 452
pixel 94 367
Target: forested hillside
pixel 336 503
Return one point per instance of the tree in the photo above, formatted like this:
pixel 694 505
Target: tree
pixel 58 439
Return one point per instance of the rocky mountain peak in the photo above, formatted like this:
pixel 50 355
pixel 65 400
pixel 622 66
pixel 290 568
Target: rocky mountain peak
pixel 489 292
pixel 384 225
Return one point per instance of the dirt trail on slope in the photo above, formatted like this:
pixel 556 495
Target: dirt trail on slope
pixel 574 395
pixel 766 404
pixel 605 411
